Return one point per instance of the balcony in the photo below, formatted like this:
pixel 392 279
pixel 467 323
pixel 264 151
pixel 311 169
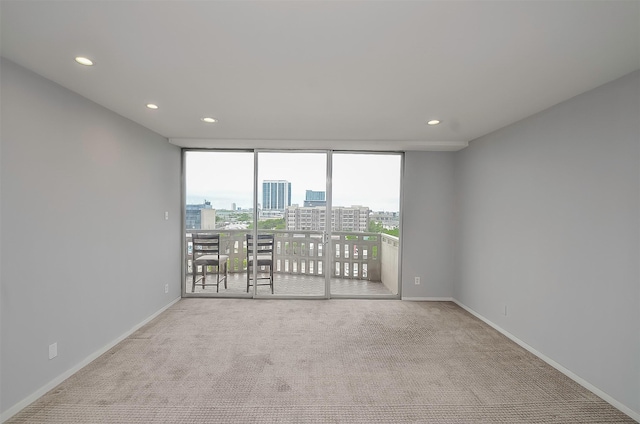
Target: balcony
pixel 362 264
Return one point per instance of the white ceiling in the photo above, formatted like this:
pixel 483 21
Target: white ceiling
pixel 340 74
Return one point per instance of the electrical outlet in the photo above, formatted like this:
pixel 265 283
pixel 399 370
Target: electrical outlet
pixel 166 288
pixel 53 350
pixel 417 281
pixel 166 216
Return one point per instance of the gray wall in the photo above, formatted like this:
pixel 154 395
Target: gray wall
pixel 548 223
pixel 428 225
pixel 86 251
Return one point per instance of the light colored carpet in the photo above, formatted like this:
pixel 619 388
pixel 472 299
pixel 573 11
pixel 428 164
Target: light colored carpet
pixel 318 361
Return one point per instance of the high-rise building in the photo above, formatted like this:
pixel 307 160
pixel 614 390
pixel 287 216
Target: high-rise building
pixel 354 218
pixel 276 194
pixel 314 198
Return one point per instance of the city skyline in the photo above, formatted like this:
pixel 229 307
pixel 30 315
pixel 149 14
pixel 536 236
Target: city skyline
pixel 224 178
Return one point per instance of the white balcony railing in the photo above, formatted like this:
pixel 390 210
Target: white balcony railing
pixel 356 255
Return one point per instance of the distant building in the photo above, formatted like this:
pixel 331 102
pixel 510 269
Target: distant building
pixel 200 217
pixel 207 219
pixel 388 220
pixel 354 218
pixel 305 218
pixel 270 214
pixel 314 198
pixel 276 195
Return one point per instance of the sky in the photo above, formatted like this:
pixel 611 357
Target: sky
pixel 224 178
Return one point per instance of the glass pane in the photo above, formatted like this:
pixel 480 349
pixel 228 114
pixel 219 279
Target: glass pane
pixel 219 202
pixel 291 195
pixel 365 222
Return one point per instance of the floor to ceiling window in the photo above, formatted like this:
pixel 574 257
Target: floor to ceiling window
pixel 291 224
pixel 284 179
pixel 218 194
pixel 365 212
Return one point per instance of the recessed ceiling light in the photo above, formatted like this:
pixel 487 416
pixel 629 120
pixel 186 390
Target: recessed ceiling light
pixel 152 106
pixel 209 120
pixel 433 122
pixel 84 61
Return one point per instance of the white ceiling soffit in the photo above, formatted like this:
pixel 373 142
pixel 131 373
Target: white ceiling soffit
pixel 357 74
pixel 376 145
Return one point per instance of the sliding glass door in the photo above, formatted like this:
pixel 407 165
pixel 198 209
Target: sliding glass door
pixel 292 209
pixel 218 201
pixel 365 214
pixel 291 224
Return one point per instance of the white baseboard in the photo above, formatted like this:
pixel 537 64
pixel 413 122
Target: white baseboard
pixel 631 413
pixel 428 299
pixel 59 379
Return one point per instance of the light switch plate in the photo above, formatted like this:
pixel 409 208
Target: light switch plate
pixel 53 350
